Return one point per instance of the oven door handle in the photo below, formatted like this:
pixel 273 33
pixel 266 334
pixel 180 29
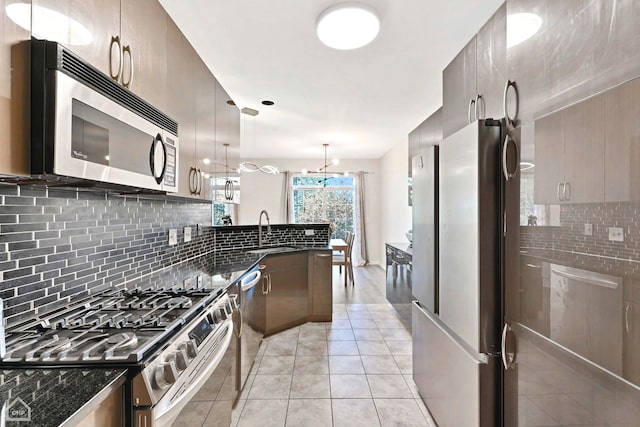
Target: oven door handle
pixel 256 275
pixel 204 374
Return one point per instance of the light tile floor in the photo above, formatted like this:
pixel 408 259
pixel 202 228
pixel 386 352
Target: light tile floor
pixel 354 371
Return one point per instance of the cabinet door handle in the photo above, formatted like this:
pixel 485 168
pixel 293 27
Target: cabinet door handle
pixel 510 120
pixel 626 317
pixel 566 195
pixel 505 147
pixel 323 255
pixel 508 357
pixel 269 291
pixel 236 317
pixel 472 102
pixel 115 75
pixel 265 284
pixel 192 181
pixel 477 102
pixel 127 49
pixel 199 181
pixel 560 191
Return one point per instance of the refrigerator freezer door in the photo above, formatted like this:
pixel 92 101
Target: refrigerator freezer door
pixel 424 260
pixel 469 235
pixel 456 383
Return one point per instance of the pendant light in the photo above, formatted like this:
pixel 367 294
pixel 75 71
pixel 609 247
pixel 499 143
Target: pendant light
pixel 228 185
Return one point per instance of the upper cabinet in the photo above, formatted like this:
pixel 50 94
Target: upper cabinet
pixel 459 90
pixel 227 132
pixel 125 40
pixel 570 153
pixel 491 65
pixel 621 121
pixel 581 48
pixel 205 148
pixel 473 83
pixel 144 43
pixel 89 28
pixel 181 95
pixel 14 90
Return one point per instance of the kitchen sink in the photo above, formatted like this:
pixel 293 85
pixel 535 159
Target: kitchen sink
pixel 272 250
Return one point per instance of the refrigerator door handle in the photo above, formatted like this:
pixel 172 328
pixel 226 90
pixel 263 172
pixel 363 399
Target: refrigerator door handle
pixel 505 148
pixel 472 109
pixel 478 358
pixel 508 342
pixel 511 120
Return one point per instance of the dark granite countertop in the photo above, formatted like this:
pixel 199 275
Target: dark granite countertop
pixel 54 397
pixel 403 246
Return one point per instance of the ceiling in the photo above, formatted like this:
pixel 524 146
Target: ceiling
pixel 361 102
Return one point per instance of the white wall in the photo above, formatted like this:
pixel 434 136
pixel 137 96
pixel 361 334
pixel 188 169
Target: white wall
pixel 259 191
pixel 395 214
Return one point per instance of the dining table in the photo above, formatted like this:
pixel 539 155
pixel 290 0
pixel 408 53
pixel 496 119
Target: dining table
pixel 338 245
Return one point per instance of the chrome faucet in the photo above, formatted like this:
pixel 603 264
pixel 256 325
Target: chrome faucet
pixel 260 227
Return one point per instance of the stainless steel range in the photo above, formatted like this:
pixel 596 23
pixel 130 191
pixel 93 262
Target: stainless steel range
pixel 114 326
pixel 172 339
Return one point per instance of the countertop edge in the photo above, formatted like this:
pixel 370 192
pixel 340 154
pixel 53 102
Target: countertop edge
pixel 95 401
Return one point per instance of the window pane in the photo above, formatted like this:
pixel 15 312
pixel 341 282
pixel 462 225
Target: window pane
pixel 319 203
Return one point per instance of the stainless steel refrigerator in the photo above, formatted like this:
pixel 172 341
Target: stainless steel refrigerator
pixel 457 318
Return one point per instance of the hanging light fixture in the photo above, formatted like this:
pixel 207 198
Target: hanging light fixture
pixel 253 166
pixel 228 185
pixel 323 169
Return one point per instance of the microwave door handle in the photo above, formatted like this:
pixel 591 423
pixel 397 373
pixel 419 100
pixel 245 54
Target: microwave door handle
pixel 152 159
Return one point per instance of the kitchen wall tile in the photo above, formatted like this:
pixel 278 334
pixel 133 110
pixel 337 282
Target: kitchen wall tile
pixel 57 245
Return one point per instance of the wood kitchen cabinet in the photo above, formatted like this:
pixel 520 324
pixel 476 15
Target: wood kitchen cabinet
pixel 100 19
pixel 581 48
pixel 491 65
pixel 14 89
pixel 139 63
pixel 295 288
pixel 205 148
pixel 320 286
pixel 287 303
pixel 459 90
pixel 473 83
pixel 622 136
pixel 181 95
pixel 570 153
pixel 144 30
pixel 428 133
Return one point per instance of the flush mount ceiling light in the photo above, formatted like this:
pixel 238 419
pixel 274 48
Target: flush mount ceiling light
pixel 347 26
pixel 521 26
pixel 56 25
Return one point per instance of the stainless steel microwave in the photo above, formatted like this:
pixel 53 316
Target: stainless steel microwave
pixel 88 130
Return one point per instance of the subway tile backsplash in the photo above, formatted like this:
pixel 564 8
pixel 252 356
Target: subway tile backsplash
pixel 570 235
pixel 246 236
pixel 57 245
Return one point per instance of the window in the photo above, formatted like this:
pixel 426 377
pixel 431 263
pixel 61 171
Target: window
pixel 315 200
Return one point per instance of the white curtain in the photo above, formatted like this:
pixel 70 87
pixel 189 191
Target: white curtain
pixel 288 197
pixel 360 253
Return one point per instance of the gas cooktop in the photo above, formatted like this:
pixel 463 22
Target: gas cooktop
pixel 113 326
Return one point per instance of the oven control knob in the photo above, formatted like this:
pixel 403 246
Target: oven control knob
pixel 166 374
pixel 221 314
pixel 181 359
pixel 191 348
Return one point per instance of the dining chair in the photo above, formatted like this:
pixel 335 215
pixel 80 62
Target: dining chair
pixel 345 259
